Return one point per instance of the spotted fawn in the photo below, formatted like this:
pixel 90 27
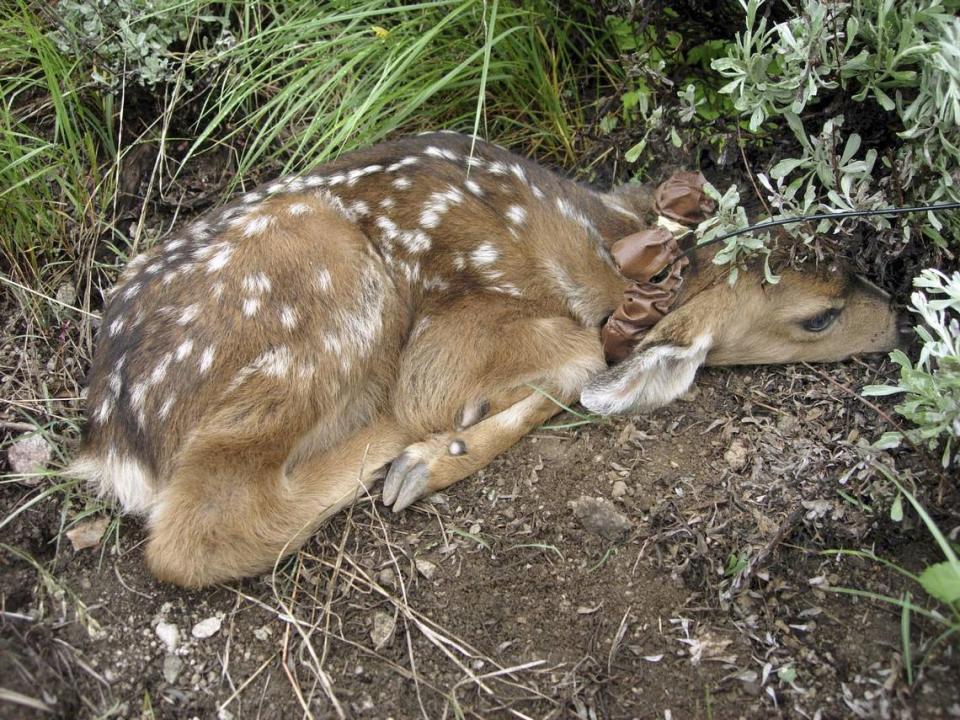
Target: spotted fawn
pixel 405 313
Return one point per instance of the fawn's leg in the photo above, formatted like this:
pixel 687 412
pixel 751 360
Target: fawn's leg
pixel 232 509
pixel 483 361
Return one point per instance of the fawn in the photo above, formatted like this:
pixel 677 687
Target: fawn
pixel 405 312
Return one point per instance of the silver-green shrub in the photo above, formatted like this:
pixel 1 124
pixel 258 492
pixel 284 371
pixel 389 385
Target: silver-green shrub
pixel 123 40
pixel 931 386
pixel 901 61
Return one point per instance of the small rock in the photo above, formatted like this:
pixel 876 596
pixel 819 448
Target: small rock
pixel 600 516
pixel 736 455
pixel 425 568
pixel 262 633
pixel 619 489
pixel 172 666
pixel 387 577
pixel 383 626
pixel 207 627
pixel 29 455
pixel 169 634
pixel 87 534
pixel 66 294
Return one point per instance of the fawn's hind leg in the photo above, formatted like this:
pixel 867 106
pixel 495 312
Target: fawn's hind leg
pixel 233 509
pixel 515 366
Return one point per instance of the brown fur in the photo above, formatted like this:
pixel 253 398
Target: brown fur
pixel 402 312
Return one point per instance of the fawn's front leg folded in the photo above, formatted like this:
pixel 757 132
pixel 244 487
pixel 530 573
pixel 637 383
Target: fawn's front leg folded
pixel 516 376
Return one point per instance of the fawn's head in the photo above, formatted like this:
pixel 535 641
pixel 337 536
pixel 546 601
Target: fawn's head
pixel 811 315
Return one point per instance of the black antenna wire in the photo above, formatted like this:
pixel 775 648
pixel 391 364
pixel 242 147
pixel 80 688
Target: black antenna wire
pixel 826 216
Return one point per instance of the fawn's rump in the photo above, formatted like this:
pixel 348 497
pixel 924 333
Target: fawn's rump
pixel 278 350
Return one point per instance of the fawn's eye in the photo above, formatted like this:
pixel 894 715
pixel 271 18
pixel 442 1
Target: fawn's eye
pixel 819 323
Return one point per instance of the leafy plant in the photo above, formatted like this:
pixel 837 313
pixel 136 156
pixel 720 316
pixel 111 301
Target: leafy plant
pixel 132 39
pixel 900 59
pixel 940 582
pixel 932 384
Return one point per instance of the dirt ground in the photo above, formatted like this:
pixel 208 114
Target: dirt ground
pixel 696 587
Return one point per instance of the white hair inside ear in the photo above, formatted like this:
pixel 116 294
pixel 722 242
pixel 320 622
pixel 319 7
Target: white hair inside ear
pixel 649 378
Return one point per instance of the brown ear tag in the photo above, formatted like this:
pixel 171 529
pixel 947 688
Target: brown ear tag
pixel 652 261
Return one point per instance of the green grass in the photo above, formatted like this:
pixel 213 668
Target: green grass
pixel 298 83
pixel 940 604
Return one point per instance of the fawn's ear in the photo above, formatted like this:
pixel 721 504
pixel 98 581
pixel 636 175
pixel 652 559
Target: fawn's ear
pixel 659 371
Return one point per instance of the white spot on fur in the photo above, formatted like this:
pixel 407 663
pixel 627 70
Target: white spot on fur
pixel 516 214
pixel 388 228
pixel 299 208
pixel 442 153
pixel 402 183
pixel 323 279
pixel 437 204
pixel 331 343
pixel 473 187
pixel 132 290
pixel 257 225
pixel 114 380
pixel 415 241
pixel 358 173
pixel 459 262
pixel 274 362
pixel 252 197
pixel 507 289
pixel 618 207
pixel 250 306
pixel 402 163
pixel 166 406
pixel 217 290
pixel 429 218
pixel 115 327
pixel 220 260
pixel 484 254
pixel 387 203
pixel 288 317
pixel 105 410
pixel 138 395
pixel 160 371
pixel 257 283
pixel 537 192
pixel 359 209
pixel 174 244
pixel 188 314
pixel 497 168
pixel 435 283
pixel 568 211
pixel 200 230
pixel 206 359
pixel 517 170
pixel 183 350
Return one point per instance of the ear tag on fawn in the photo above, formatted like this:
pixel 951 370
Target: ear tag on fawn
pixel 652 261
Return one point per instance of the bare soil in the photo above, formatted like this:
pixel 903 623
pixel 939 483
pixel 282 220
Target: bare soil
pixel 494 599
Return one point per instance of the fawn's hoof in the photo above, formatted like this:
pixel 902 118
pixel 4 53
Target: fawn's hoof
pixel 407 482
